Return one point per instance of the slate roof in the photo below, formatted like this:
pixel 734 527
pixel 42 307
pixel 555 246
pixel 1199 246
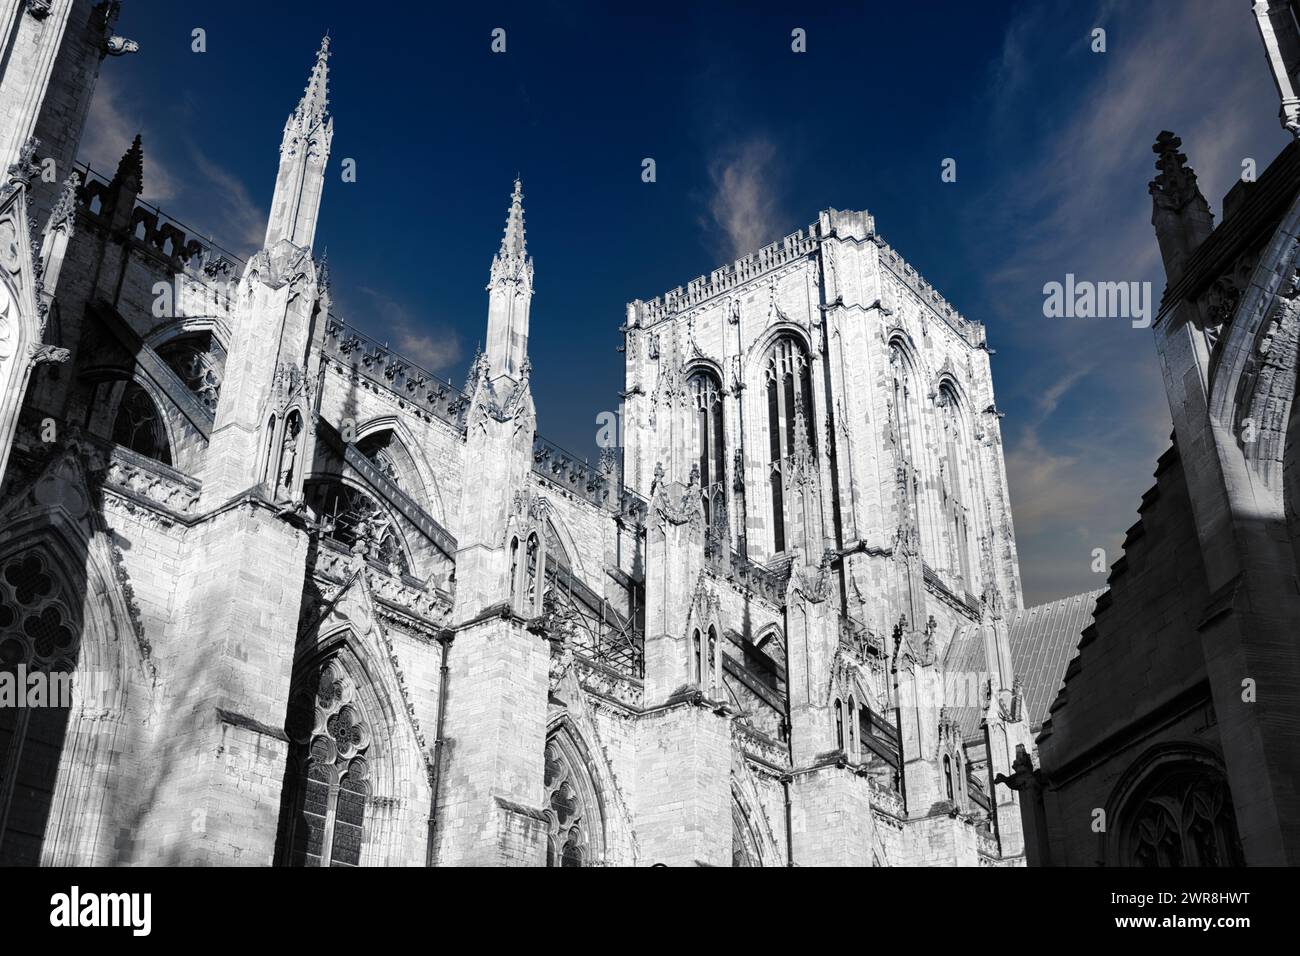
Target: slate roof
pixel 1044 639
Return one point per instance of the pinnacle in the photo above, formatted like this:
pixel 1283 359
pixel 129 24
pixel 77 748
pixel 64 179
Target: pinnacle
pixel 514 242
pixel 315 97
pixel 131 166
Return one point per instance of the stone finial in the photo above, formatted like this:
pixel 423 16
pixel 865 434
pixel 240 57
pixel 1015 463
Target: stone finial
pixel 1175 184
pixel 1179 212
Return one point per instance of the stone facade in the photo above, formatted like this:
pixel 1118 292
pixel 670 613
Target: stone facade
pixel 324 608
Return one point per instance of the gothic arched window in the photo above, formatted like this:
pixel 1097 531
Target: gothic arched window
pixel 947 776
pixel 1182 817
pixel 575 833
pixel 326 785
pixel 139 426
pixel 839 723
pixel 789 423
pixel 696 652
pixel 710 444
pixel 905 430
pixel 39 632
pixel 958 493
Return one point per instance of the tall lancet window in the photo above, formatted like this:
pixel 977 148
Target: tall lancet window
pixel 789 424
pixel 514 570
pixel 957 488
pixel 40 633
pixel 575 830
pixel 710 444
pixel 907 437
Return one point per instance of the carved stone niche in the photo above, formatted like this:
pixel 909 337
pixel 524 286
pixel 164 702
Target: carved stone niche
pixel 1218 304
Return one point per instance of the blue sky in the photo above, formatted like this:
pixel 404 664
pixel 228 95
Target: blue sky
pixel 1052 143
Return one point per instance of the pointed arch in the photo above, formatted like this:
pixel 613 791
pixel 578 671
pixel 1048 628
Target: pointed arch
pixel 753 842
pixel 348 652
pixel 198 357
pixel 556 548
pixel 140 425
pixel 961 483
pixel 58 567
pixel 555 532
pixel 574 805
pixel 1172 807
pixel 917 467
pixel 709 437
pixel 788 435
pixel 421 482
pixel 704 641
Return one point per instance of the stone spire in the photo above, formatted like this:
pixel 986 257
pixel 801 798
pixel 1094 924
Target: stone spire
pixel 1180 214
pixel 514 243
pixel 304 150
pixel 311 111
pixel 510 293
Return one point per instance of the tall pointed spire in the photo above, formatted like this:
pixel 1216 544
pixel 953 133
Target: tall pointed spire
pixel 311 111
pixel 510 293
pixel 304 150
pixel 514 243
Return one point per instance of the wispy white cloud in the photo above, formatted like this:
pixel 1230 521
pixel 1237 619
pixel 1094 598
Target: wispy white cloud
pixel 434 347
pixel 208 197
pixel 1089 416
pixel 242 219
pixel 743 209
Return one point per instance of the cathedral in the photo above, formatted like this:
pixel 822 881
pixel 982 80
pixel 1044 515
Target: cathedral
pixel 321 607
